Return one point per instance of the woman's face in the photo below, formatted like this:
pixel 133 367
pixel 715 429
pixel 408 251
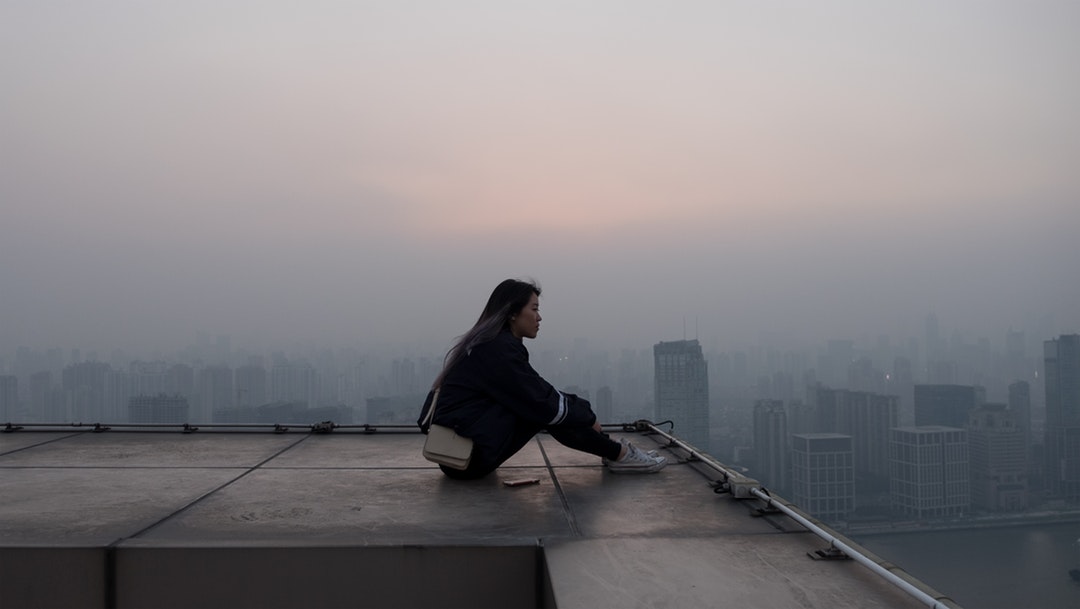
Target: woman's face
pixel 526 322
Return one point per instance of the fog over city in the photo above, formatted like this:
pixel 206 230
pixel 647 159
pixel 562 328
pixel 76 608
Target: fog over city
pixel 365 173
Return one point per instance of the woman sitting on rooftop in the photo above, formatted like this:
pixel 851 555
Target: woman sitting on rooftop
pixel 489 392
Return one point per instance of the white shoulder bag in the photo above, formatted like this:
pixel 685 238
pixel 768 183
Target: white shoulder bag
pixel 443 445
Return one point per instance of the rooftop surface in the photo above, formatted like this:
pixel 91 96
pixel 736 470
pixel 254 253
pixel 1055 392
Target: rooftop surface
pixel 348 519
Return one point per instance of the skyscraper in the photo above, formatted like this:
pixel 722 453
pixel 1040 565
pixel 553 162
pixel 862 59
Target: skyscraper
pixel 998 461
pixel 866 417
pixel 930 475
pixel 823 474
pixel 682 389
pixel 1020 403
pixel 1062 362
pixel 948 405
pixel 250 386
pixel 9 398
pixel 604 404
pixel 84 386
pixel 159 409
pixel 771 443
pixel 216 392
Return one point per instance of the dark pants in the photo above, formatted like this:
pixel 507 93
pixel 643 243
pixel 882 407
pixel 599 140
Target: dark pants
pixel 585 439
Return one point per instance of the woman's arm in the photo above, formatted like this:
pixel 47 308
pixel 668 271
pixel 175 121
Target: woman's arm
pixel 516 385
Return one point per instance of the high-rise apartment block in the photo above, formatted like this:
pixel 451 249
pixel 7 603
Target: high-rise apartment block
pixel 1062 364
pixel 682 389
pixel 604 405
pixel 150 378
pixel 866 417
pixel 158 409
pixel 84 389
pixel 930 474
pixel 9 398
pixel 293 382
pixel 250 386
pixel 946 405
pixel 215 392
pixel 823 474
pixel 998 460
pixel 1020 404
pixel 771 443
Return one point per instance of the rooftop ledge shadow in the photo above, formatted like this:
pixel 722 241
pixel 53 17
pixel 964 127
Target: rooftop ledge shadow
pixel 135 519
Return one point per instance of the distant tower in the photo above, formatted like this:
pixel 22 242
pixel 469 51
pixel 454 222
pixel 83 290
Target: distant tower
pixel 181 380
pixel 930 476
pixel 216 392
pixel 771 442
pixel 158 409
pixel 119 387
pixel 1020 403
pixel 999 480
pixel 40 393
pixel 823 474
pixel 948 405
pixel 250 386
pixel 604 406
pixel 84 387
pixel 682 390
pixel 866 417
pixel 1062 362
pixel 9 398
pixel 293 382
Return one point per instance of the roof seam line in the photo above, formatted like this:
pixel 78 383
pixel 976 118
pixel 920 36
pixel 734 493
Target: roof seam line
pixel 65 437
pixel 571 520
pixel 212 491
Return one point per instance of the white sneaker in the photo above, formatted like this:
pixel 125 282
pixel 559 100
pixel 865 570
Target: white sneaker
pixel 636 461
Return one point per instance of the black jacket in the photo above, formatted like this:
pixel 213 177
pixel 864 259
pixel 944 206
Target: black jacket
pixel 493 391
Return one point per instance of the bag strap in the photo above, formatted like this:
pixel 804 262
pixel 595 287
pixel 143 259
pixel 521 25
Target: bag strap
pixel 431 411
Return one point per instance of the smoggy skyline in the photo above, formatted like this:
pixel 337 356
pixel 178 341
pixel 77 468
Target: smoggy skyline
pixel 347 172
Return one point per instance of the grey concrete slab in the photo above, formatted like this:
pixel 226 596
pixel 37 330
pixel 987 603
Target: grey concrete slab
pixel 21 440
pixel 755 571
pixel 374 506
pixel 111 449
pixel 356 450
pixel 676 501
pixel 89 506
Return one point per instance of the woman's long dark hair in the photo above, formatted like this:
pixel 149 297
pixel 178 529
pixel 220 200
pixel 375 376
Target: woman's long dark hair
pixel 506 300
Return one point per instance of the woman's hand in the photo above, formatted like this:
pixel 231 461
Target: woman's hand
pixel 596 426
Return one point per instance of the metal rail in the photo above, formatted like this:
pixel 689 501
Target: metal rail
pixel 742 487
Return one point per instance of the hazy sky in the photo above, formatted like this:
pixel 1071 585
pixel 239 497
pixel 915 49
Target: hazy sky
pixel 368 171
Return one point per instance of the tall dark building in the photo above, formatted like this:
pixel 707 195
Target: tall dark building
pixel 1062 362
pixel 999 476
pixel 159 409
pixel 84 387
pixel 682 389
pixel 866 417
pixel 9 398
pixel 947 405
pixel 250 386
pixel 771 443
pixel 604 405
pixel 1020 404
